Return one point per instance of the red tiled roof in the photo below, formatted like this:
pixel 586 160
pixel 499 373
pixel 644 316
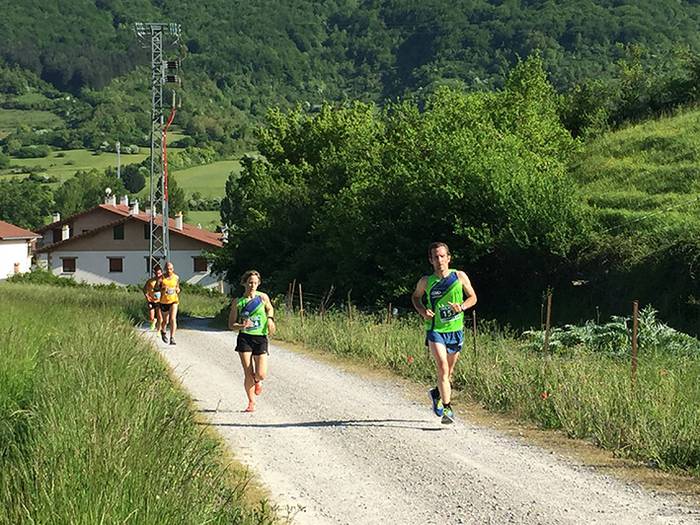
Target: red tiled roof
pixel 10 231
pixel 122 211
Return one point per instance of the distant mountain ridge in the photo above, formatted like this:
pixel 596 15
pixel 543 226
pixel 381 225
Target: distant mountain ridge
pixel 263 52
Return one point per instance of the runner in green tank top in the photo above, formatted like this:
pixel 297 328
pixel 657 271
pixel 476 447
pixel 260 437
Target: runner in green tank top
pixel 441 299
pixel 253 316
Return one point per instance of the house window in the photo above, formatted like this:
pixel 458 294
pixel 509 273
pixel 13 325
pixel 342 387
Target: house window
pixel 146 231
pixel 68 264
pixel 116 264
pixel 118 233
pixel 56 234
pixel 200 264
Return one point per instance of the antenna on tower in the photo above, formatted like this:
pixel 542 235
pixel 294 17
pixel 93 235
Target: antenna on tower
pixel 153 35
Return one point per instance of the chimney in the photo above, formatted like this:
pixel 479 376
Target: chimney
pixel 111 199
pixel 148 210
pixel 124 200
pixel 178 220
pixel 65 232
pixel 55 217
pixel 134 208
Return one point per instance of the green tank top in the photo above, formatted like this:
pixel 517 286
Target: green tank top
pixel 253 309
pixel 438 294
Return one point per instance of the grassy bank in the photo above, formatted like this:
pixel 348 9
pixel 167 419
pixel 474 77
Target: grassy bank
pixel 92 429
pixel 586 393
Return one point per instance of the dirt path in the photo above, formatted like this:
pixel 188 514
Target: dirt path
pixel 340 448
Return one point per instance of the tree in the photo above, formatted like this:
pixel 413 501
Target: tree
pixel 350 196
pixel 24 203
pixel 134 177
pixel 85 190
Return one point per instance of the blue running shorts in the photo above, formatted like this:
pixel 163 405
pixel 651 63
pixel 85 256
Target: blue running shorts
pixel 453 341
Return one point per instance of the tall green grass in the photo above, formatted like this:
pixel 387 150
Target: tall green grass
pixel 587 394
pixel 92 429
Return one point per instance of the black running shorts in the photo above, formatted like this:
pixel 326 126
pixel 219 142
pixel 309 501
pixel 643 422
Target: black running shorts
pixel 165 307
pixel 257 344
pixel 153 306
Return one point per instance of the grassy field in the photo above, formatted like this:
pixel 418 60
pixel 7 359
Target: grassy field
pixel 13 118
pixel 585 393
pixel 92 428
pixel 64 164
pixel 208 219
pixel 650 167
pixel 209 180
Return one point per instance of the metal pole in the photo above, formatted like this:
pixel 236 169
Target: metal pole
pixel 151 35
pixel 119 163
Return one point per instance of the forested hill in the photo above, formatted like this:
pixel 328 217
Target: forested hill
pixel 263 52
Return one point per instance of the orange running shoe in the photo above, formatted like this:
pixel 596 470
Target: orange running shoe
pixel 250 407
pixel 258 388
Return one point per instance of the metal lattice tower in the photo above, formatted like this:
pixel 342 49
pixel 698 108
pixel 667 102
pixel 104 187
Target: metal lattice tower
pixel 152 35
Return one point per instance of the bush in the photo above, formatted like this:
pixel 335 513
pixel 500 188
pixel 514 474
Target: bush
pixel 32 152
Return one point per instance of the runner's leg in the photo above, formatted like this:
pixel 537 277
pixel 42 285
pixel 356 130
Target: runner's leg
pixel 260 372
pixel 173 319
pixel 249 374
pixel 439 353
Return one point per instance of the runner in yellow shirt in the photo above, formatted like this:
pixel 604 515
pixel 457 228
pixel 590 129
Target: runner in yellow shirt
pixel 169 300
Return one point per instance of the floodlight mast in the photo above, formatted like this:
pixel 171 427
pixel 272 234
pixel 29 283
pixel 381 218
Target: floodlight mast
pixel 152 35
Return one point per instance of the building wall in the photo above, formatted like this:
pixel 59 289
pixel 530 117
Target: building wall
pixel 93 267
pixel 12 252
pixel 89 221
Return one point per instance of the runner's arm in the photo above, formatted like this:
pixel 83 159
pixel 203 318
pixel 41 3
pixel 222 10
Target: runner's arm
pixel 416 299
pixel 233 316
pixel 270 312
pixel 468 291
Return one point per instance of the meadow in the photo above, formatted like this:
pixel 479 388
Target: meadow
pixel 14 118
pixel 93 428
pixel 584 392
pixel 209 180
pixel 63 164
pixel 208 219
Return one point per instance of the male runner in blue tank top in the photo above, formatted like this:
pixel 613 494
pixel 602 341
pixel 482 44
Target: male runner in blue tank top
pixel 441 300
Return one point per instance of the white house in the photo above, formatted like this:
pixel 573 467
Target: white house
pixel 109 244
pixel 15 249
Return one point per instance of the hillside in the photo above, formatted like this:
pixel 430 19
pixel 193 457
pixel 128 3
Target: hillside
pixel 242 57
pixel 645 179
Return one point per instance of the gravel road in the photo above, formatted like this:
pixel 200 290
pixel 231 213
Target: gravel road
pixel 335 447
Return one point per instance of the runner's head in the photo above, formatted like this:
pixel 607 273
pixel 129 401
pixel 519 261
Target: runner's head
pixel 157 271
pixel 439 256
pixel 169 268
pixel 251 280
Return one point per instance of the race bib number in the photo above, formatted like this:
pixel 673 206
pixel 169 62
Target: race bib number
pixel 447 313
pixel 170 291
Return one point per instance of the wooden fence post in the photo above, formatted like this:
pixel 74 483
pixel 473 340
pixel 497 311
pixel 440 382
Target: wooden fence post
pixel 548 320
pixel 474 333
pixel 635 327
pixel 301 305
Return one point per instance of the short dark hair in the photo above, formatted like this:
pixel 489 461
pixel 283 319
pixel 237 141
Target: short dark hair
pixel 435 246
pixel 157 267
pixel 247 275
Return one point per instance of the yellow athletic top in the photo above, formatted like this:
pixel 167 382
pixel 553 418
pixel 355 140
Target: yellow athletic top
pixel 169 289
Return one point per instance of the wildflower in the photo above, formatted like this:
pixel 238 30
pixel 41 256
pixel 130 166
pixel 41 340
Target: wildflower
pixel 544 395
pixel 663 372
pixel 410 359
